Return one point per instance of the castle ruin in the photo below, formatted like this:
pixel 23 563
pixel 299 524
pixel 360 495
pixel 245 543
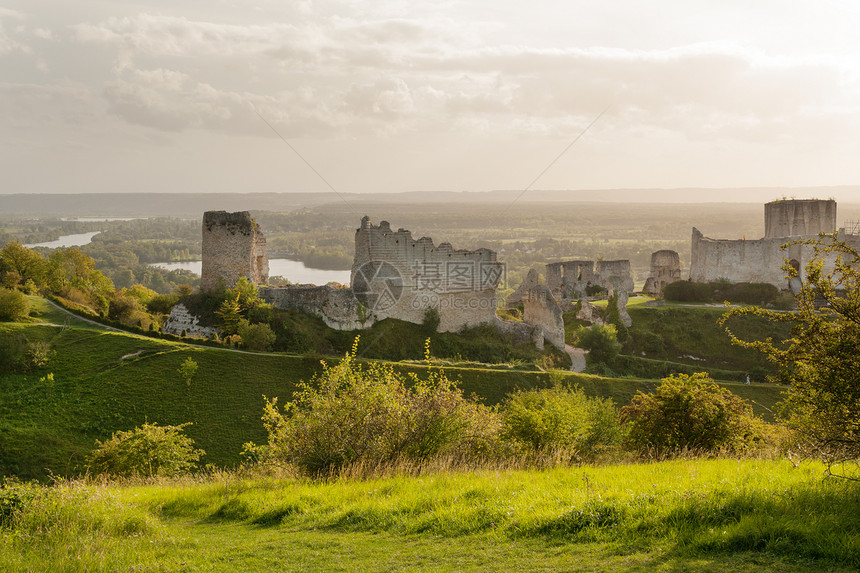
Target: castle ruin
pixel 396 276
pixel 575 279
pixel 233 247
pixel 761 260
pixel 665 270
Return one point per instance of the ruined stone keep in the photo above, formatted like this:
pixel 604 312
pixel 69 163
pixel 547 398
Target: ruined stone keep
pixel 233 247
pixel 665 270
pixel 761 260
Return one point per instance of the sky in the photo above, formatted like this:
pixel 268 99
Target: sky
pixel 384 96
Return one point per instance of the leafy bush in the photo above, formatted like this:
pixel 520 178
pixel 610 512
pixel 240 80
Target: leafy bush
pixel 256 336
pixel 687 291
pixel 431 320
pixel 745 293
pixel 601 342
pixel 187 370
pixel 14 305
pixel 689 412
pixel 148 450
pixel 368 413
pixel 560 418
pixel 13 496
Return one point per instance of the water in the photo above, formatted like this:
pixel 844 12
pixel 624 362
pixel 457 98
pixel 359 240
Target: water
pixel 77 240
pixel 294 271
pixel 100 219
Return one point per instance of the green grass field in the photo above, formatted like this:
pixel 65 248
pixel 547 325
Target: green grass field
pixel 108 381
pixel 684 515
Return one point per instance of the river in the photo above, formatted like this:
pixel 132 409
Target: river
pixel 294 271
pixel 65 241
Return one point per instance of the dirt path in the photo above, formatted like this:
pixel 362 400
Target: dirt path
pixel 577 357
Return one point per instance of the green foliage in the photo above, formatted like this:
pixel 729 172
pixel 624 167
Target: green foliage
pixel 689 413
pixel 14 305
pixel 148 450
pixel 257 337
pixel 14 495
pixel 187 370
pixel 230 313
pixel 600 341
pixel 718 291
pixel 431 320
pixel 613 317
pixel 821 360
pixel 368 413
pixel 560 418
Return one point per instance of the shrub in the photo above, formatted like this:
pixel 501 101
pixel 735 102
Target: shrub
pixel 148 450
pixel 601 342
pixel 13 496
pixel 256 336
pixel 689 412
pixel 354 412
pixel 14 305
pixel 38 354
pixel 187 370
pixel 687 291
pixel 560 418
pixel 431 321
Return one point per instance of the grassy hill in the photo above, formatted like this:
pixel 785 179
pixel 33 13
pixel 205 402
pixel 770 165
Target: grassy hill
pixel 104 381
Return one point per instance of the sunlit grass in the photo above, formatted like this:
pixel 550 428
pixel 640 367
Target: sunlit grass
pixel 719 514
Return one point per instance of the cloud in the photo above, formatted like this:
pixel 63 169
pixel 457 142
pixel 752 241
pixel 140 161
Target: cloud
pixel 9 44
pixel 320 76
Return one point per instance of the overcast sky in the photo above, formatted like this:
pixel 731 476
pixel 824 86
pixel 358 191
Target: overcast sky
pixel 123 95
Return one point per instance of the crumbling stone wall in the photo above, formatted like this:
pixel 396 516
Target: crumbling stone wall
pixel 233 247
pixel 394 275
pixel 337 307
pixel 571 279
pixel 541 311
pixel 181 319
pixel 520 294
pixel 665 270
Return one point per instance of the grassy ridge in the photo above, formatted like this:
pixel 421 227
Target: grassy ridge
pixel 108 381
pixel 691 335
pixel 708 515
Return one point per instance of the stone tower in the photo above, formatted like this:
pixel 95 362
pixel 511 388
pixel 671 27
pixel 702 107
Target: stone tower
pixel 233 247
pixel 799 217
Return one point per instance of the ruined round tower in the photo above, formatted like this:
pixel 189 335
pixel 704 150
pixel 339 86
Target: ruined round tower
pixel 799 217
pixel 233 247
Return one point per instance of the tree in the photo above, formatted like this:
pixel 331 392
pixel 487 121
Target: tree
pixel 14 305
pixel 187 370
pixel 148 450
pixel 600 341
pixel 230 313
pixel 689 412
pixel 256 336
pixel 24 263
pixel 821 360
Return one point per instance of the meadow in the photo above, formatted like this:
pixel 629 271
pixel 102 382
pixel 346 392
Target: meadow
pixel 104 381
pixel 680 515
